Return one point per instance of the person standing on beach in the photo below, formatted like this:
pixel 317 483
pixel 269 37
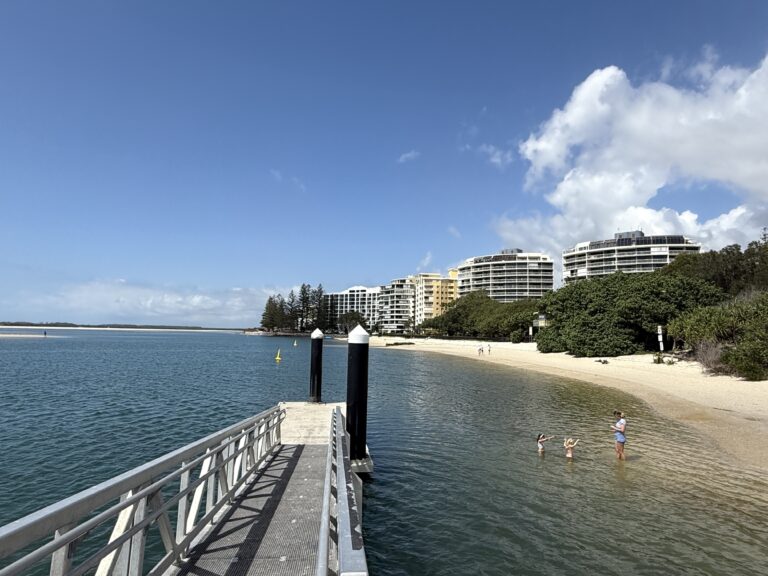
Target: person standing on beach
pixel 489 349
pixel 619 430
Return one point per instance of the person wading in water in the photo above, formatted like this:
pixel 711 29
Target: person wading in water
pixel 619 430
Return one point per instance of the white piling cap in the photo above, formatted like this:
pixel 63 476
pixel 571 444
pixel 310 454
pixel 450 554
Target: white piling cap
pixel 358 336
pixel 317 333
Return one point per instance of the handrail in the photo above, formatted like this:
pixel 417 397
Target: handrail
pixel 224 461
pixel 325 515
pixel 349 537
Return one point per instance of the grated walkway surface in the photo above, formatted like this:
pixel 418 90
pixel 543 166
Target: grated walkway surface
pixel 273 527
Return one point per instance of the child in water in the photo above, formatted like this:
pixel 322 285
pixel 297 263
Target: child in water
pixel 569 445
pixel 540 439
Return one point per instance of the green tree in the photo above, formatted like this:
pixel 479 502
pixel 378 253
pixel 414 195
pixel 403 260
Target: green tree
pixel 349 320
pixel 618 314
pixel 319 315
pixel 731 337
pixel 305 305
pixel 292 312
pixel 269 317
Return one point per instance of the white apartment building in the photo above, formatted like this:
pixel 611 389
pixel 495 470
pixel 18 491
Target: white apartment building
pixel 432 292
pixel 355 299
pixel 396 306
pixel 626 252
pixel 507 276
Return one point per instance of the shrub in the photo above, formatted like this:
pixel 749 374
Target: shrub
pixel 549 340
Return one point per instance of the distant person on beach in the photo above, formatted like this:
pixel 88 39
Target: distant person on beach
pixel 489 349
pixel 619 430
pixel 569 445
pixel 480 350
pixel 540 439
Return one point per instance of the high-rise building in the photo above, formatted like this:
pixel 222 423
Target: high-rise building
pixel 359 299
pixel 432 292
pixel 507 276
pixel 626 252
pixel 396 306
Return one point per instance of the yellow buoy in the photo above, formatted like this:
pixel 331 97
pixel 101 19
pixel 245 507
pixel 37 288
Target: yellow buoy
pixel 277 358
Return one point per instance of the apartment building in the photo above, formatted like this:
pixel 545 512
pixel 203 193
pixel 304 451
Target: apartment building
pixel 432 292
pixel 355 299
pixel 627 252
pixel 507 276
pixel 396 306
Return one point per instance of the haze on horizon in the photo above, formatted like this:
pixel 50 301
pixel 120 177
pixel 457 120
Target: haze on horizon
pixel 176 163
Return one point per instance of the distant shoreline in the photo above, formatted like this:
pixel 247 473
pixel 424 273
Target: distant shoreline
pixel 732 412
pixel 42 329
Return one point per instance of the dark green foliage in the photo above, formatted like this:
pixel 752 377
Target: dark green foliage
pixel 302 313
pixel 730 269
pixel 476 315
pixel 549 340
pixel 618 314
pixel 737 331
pixel 349 320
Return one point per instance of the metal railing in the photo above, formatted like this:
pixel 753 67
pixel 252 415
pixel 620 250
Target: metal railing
pixel 161 494
pixel 348 537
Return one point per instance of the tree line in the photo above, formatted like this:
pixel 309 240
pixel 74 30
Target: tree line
pixel 296 313
pixel 713 305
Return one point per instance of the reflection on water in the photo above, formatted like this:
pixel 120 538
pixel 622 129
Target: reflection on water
pixel 459 487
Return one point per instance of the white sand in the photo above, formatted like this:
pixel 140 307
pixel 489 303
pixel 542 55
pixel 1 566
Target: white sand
pixel 731 411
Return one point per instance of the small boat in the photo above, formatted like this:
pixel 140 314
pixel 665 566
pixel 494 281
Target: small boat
pixel 277 358
pixel 294 343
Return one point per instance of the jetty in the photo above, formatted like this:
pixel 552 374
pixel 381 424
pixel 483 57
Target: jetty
pixel 277 493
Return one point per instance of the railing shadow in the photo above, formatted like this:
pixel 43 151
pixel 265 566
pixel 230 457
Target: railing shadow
pixel 256 506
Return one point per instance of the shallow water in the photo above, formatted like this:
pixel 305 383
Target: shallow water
pixel 458 486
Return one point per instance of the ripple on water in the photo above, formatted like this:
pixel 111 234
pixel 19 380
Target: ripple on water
pixel 458 486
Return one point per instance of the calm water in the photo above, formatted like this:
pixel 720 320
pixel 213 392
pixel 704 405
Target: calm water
pixel 458 486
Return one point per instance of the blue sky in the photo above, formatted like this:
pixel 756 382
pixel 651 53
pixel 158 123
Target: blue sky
pixel 177 162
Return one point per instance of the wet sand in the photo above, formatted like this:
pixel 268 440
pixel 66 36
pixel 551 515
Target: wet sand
pixel 730 411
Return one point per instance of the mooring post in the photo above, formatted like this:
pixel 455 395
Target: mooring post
pixel 316 367
pixel 357 398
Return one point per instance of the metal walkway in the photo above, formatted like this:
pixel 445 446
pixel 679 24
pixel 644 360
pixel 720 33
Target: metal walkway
pixel 273 527
pixel 274 494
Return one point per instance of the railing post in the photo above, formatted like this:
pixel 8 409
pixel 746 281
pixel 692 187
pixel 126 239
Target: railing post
pixel 357 393
pixel 61 560
pixel 316 367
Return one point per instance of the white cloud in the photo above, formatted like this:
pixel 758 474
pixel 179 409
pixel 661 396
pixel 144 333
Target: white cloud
pixel 604 156
pixel 298 184
pixel 496 156
pixel 119 301
pixel 426 261
pixel 453 231
pixel 276 174
pixel 408 156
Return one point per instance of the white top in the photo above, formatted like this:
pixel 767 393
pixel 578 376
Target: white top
pixel 358 336
pixel 317 333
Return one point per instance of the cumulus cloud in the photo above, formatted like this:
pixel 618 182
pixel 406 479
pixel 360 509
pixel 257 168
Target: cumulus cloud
pixel 603 157
pixel 408 156
pixel 426 261
pixel 119 301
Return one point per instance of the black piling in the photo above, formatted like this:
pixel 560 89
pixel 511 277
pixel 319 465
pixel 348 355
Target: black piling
pixel 357 392
pixel 316 367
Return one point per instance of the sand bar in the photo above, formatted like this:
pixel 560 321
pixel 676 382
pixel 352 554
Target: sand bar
pixel 733 412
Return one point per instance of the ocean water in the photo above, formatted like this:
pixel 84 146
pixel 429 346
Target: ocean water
pixel 458 486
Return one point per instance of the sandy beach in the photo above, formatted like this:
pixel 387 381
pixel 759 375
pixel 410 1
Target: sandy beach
pixel 732 412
